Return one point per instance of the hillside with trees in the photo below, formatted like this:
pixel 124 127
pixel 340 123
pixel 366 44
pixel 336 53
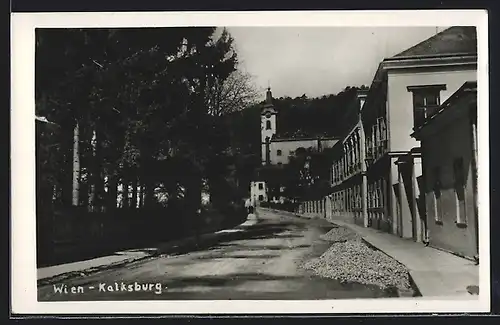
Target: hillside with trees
pixel 307 174
pixel 297 117
pixel 147 109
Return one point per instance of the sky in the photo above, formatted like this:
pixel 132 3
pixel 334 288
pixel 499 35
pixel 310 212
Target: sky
pixel 319 60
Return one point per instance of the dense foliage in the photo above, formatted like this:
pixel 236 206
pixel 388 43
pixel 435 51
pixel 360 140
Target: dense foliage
pixel 318 116
pixel 151 105
pixel 305 177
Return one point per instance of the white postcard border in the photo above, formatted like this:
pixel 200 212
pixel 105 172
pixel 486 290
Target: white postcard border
pixel 23 263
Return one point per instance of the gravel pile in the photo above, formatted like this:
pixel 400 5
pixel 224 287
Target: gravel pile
pixel 354 261
pixel 340 234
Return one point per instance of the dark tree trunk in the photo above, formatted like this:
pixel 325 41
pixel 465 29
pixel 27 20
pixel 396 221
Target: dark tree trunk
pixel 148 184
pixel 193 200
pixel 66 174
pixel 125 184
pixel 141 194
pixel 112 191
pixel 149 194
pixel 98 172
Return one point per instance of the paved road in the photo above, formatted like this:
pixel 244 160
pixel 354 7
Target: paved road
pixel 262 262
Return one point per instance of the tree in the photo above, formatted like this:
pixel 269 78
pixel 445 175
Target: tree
pixel 234 94
pixel 116 80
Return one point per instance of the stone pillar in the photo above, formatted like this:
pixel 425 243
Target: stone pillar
pixel 346 159
pixel 418 220
pixel 364 177
pixel 356 147
pixel 399 216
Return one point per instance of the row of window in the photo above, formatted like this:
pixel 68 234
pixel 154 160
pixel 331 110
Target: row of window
pixel 376 139
pixel 426 102
pixel 376 194
pixel 351 199
pixel 260 185
pixel 350 162
pixel 347 200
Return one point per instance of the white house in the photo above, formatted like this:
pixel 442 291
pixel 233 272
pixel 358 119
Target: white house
pixel 406 90
pixel 258 192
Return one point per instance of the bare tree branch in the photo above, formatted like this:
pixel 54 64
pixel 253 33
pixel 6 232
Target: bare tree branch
pixel 233 94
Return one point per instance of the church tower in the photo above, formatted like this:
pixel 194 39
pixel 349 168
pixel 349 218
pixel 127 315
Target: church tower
pixel 267 126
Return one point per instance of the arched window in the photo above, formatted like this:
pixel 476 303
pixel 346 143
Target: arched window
pixel 279 152
pixel 268 125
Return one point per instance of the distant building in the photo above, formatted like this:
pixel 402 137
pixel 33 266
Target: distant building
pixel 258 192
pixel 276 149
pixel 348 171
pixel 448 137
pixel 371 181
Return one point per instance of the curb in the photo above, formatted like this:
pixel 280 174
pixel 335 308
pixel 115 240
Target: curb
pixel 92 270
pixel 175 247
pixel 413 285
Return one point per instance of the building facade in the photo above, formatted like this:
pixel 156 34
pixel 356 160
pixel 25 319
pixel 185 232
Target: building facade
pixel 448 137
pixel 258 192
pixel 348 171
pixel 378 179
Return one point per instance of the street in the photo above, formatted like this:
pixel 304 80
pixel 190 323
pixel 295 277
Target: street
pixel 263 262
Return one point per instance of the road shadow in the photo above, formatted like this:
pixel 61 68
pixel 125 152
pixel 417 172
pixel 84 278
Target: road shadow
pixel 264 229
pixel 224 255
pixel 261 230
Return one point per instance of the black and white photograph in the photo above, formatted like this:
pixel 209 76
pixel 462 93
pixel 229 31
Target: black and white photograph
pixel 250 163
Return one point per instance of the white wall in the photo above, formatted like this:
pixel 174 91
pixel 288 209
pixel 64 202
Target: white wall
pixel 266 133
pixel 287 147
pixel 400 100
pixel 255 191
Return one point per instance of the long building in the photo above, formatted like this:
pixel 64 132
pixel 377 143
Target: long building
pixel 370 181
